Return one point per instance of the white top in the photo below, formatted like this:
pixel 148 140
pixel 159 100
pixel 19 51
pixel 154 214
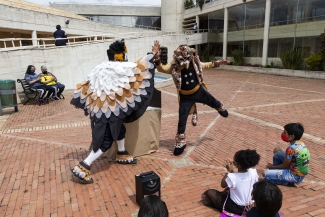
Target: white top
pixel 241 186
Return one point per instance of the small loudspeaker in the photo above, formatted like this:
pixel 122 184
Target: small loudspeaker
pixel 146 184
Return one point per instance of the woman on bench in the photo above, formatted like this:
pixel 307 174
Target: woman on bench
pixel 34 81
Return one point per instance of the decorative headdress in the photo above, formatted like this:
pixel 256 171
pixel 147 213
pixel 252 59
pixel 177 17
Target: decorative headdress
pixel 182 58
pixel 183 55
pixel 117 51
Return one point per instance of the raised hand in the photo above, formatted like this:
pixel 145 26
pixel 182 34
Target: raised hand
pixel 156 49
pixel 223 62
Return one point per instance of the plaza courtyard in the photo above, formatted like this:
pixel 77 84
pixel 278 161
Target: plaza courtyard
pixel 39 145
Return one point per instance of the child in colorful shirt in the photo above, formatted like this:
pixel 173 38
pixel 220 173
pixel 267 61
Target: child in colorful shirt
pixel 291 166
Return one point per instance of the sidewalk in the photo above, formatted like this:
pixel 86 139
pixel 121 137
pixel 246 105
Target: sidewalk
pixel 39 145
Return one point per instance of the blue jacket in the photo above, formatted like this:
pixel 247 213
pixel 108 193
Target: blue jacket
pixel 60 34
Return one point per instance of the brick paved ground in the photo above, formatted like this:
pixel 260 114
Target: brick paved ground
pixel 38 146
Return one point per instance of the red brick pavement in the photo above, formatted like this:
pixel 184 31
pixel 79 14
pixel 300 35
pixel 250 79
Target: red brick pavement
pixel 39 145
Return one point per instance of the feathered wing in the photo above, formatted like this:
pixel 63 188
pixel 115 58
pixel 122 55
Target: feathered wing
pixel 117 90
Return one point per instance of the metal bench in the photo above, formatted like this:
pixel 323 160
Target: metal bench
pixel 30 92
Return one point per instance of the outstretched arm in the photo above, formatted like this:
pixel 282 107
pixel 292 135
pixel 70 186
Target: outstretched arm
pixel 214 64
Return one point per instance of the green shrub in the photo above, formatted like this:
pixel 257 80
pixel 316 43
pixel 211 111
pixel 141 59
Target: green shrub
pixel 238 57
pixel 205 57
pixel 292 59
pixel 200 3
pixel 188 3
pixel 314 61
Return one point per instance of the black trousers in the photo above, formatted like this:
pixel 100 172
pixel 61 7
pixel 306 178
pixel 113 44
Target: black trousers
pixel 46 89
pixel 187 101
pixel 102 136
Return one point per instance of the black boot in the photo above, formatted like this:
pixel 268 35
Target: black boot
pixel 180 144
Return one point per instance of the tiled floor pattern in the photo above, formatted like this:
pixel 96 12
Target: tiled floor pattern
pixel 39 145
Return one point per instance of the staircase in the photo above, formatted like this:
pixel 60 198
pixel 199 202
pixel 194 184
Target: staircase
pixel 188 23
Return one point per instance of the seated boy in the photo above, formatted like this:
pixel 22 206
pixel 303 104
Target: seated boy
pixel 291 166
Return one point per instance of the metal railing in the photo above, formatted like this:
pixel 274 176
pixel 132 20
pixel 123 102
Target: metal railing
pixel 43 43
pixel 278 23
pixel 18 43
pixel 300 20
pixel 123 24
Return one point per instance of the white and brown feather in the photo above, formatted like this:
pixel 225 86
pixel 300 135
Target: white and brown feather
pixel 114 85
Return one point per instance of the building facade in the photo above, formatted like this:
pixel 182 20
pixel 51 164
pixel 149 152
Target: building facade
pixel 263 29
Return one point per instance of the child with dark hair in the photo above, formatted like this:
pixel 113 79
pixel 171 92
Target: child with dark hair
pixel 153 206
pixel 291 166
pixel 237 196
pixel 268 200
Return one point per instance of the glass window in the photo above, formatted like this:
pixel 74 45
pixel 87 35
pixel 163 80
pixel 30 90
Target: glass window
pixel 216 21
pixel 131 21
pixel 300 14
pixel 318 10
pixel 246 28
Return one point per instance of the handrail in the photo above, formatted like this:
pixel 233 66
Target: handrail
pixel 77 40
pixel 110 22
pixel 300 20
pixel 278 23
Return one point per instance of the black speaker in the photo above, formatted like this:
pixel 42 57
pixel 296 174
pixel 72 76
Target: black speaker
pixel 146 184
pixel 164 55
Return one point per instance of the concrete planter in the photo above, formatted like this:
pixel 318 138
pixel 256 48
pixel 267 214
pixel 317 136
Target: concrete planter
pixel 169 80
pixel 275 71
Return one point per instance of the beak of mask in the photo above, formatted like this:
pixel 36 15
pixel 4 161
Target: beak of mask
pixel 187 64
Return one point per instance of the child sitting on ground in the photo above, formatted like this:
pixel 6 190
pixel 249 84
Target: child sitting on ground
pixel 153 206
pixel 237 196
pixel 291 166
pixel 268 200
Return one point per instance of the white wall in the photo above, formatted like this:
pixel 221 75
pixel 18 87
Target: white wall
pixel 26 20
pixel 72 64
pixel 113 10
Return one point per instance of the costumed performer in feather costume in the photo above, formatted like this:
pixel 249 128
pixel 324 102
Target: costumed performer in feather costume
pixel 186 70
pixel 114 92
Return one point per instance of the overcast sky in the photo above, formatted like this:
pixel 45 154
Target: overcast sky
pixel 125 2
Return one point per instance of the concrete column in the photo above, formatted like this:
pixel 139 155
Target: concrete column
pixel 172 15
pixel 34 38
pixel 266 32
pixel 197 20
pixel 225 34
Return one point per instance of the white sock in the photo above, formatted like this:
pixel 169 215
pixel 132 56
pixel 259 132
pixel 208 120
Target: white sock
pixel 121 145
pixel 93 156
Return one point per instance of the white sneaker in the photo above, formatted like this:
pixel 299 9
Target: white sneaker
pixel 55 98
